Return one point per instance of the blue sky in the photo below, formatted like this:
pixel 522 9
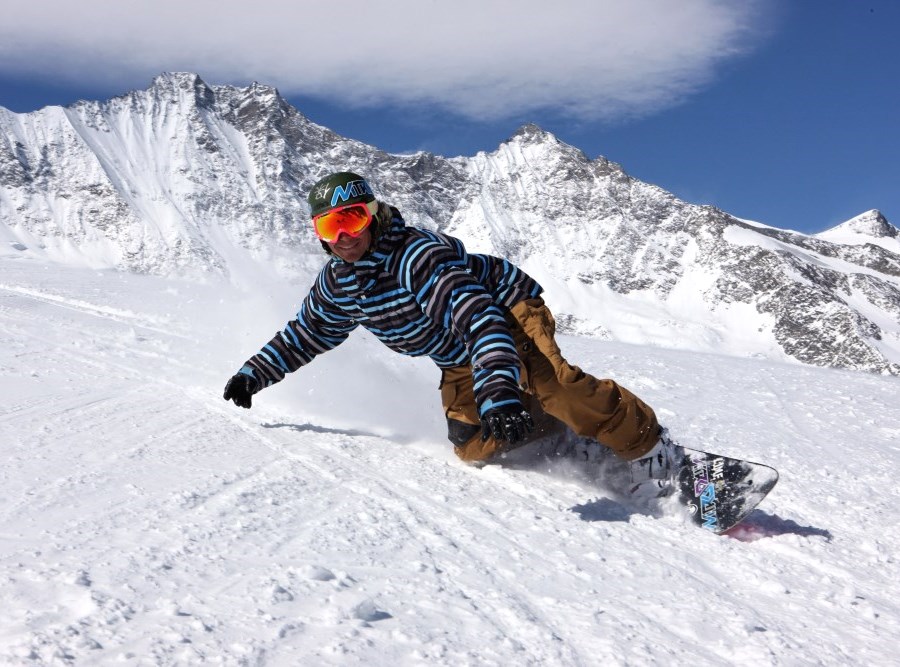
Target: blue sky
pixel 781 112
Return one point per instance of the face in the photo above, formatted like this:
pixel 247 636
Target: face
pixel 351 249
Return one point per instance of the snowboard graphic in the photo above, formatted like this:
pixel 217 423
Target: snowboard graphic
pixel 719 491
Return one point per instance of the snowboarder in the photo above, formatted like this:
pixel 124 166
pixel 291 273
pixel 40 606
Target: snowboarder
pixel 480 318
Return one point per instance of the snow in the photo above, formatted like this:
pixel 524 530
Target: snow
pixel 746 237
pixel 145 521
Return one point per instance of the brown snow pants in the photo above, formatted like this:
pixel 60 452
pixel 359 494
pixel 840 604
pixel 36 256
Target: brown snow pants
pixel 554 391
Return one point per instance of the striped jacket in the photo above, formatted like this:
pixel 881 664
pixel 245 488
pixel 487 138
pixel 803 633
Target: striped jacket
pixel 420 293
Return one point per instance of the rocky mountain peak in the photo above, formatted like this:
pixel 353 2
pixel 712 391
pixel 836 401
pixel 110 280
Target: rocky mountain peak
pixel 180 80
pixel 532 133
pixel 871 223
pixel 176 84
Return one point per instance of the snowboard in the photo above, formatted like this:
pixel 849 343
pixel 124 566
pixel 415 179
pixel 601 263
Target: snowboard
pixel 719 491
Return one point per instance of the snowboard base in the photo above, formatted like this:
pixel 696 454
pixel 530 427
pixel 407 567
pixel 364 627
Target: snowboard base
pixel 719 491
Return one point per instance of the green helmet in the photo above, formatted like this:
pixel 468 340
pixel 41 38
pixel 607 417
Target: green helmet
pixel 338 189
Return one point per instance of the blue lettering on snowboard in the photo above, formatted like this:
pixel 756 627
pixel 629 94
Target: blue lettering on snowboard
pixel 705 490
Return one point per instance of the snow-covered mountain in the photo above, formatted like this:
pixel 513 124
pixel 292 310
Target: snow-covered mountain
pixel 146 521
pixel 187 178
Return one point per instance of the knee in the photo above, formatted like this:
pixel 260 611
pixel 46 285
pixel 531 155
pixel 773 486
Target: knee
pixel 459 432
pixel 468 444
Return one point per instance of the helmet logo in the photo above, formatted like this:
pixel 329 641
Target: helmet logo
pixel 351 189
pixel 321 192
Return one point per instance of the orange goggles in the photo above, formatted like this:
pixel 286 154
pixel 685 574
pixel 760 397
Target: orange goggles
pixel 351 219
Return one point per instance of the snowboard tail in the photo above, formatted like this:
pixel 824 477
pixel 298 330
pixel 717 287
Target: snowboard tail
pixel 719 491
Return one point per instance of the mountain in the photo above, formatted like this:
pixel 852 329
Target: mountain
pixel 190 179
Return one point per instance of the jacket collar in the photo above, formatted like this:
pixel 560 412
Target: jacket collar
pixel 376 257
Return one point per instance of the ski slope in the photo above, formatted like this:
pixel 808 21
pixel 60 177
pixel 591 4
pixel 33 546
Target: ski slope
pixel 144 521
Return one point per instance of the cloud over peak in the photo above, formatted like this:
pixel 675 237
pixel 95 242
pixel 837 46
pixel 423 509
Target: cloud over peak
pixel 590 59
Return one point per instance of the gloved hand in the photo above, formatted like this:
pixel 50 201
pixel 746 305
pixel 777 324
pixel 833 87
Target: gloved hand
pixel 507 424
pixel 240 388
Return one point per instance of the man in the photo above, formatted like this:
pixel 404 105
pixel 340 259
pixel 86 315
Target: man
pixel 480 318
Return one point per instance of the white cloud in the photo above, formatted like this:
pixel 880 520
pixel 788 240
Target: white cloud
pixel 593 59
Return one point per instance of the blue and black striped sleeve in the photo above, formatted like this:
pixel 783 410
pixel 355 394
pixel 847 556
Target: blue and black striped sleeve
pixel 320 325
pixel 434 269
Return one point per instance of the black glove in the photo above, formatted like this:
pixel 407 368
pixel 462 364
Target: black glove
pixel 507 424
pixel 240 388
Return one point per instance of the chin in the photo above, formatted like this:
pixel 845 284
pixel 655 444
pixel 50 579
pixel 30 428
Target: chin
pixel 350 255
